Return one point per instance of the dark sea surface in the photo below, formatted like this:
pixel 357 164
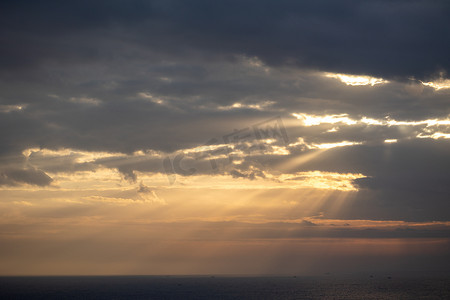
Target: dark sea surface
pixel 218 287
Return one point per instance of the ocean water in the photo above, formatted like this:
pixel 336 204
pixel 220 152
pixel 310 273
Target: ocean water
pixel 217 287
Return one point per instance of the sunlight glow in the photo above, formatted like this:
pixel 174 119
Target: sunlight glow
pixel 323 180
pixel 238 105
pixel 299 180
pixel 101 178
pixel 435 136
pixel 333 145
pixel 439 84
pixel 390 141
pixel 301 141
pixel 356 80
pixel 312 120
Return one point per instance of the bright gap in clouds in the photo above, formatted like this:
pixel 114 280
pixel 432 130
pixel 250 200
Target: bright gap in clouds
pixel 390 141
pixel 363 80
pixel 334 145
pixel 356 80
pixel 311 120
pixel 255 106
pixel 438 84
pixel 431 130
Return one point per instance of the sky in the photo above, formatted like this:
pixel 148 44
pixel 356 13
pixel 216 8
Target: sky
pixel 224 137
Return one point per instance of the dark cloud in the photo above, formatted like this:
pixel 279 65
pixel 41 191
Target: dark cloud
pixel 383 38
pixel 407 180
pixel 252 174
pixel 28 176
pixel 59 163
pixel 124 122
pixel 143 188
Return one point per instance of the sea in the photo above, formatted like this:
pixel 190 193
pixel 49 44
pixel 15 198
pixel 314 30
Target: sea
pixel 224 287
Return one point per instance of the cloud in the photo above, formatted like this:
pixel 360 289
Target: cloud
pixel 28 176
pixel 126 85
pixel 148 194
pixel 380 38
